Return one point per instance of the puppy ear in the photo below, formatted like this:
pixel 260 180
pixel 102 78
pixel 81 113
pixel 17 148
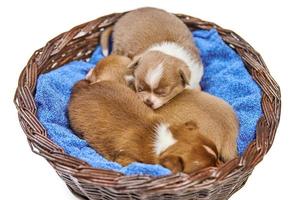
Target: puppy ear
pixel 129 79
pixel 90 76
pixel 174 163
pixel 133 65
pixel 210 147
pixel 185 75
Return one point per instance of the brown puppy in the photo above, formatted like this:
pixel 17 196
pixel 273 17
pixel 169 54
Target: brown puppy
pixel 163 52
pixel 111 118
pixel 214 117
pixel 112 68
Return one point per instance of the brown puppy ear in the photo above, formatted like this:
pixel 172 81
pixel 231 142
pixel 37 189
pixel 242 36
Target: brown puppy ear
pixel 90 75
pixel 174 163
pixel 185 75
pixel 133 65
pixel 210 148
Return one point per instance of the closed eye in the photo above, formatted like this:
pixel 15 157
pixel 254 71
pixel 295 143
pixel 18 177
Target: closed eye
pixel 135 64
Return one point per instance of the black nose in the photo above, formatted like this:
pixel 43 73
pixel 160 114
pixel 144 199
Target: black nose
pixel 149 103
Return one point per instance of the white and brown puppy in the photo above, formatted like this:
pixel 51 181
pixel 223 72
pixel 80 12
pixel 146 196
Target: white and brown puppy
pixel 214 117
pixel 163 52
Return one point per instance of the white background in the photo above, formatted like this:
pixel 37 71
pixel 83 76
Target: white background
pixel 272 28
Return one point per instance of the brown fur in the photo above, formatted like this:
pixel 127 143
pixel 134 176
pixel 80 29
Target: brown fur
pixel 179 157
pixel 112 68
pixel 214 117
pixel 113 121
pixel 111 118
pixel 140 29
pixel 172 82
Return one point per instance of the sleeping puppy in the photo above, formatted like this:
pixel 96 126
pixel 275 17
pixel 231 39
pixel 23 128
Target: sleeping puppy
pixel 165 58
pixel 214 117
pixel 112 119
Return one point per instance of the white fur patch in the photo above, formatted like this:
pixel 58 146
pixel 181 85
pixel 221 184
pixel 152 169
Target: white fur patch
pixel 175 50
pixel 89 74
pixel 163 138
pixel 210 151
pixel 154 75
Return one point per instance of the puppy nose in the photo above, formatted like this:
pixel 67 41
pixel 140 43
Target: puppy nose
pixel 148 103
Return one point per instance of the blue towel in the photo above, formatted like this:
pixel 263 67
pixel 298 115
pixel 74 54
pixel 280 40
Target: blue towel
pixel 224 76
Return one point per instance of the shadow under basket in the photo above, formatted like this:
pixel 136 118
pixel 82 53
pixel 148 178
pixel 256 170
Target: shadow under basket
pixel 92 183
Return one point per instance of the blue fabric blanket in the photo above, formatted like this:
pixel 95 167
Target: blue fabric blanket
pixel 224 76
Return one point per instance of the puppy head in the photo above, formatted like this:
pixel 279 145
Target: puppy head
pixel 192 151
pixel 112 68
pixel 159 77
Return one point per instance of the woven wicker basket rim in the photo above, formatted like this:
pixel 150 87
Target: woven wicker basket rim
pixel 78 43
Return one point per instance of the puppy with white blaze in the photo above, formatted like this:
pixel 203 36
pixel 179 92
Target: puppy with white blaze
pixel 164 57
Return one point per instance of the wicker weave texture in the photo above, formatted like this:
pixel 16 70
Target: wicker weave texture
pixel 87 182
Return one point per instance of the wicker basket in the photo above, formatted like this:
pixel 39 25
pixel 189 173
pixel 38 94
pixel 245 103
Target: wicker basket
pixel 91 183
